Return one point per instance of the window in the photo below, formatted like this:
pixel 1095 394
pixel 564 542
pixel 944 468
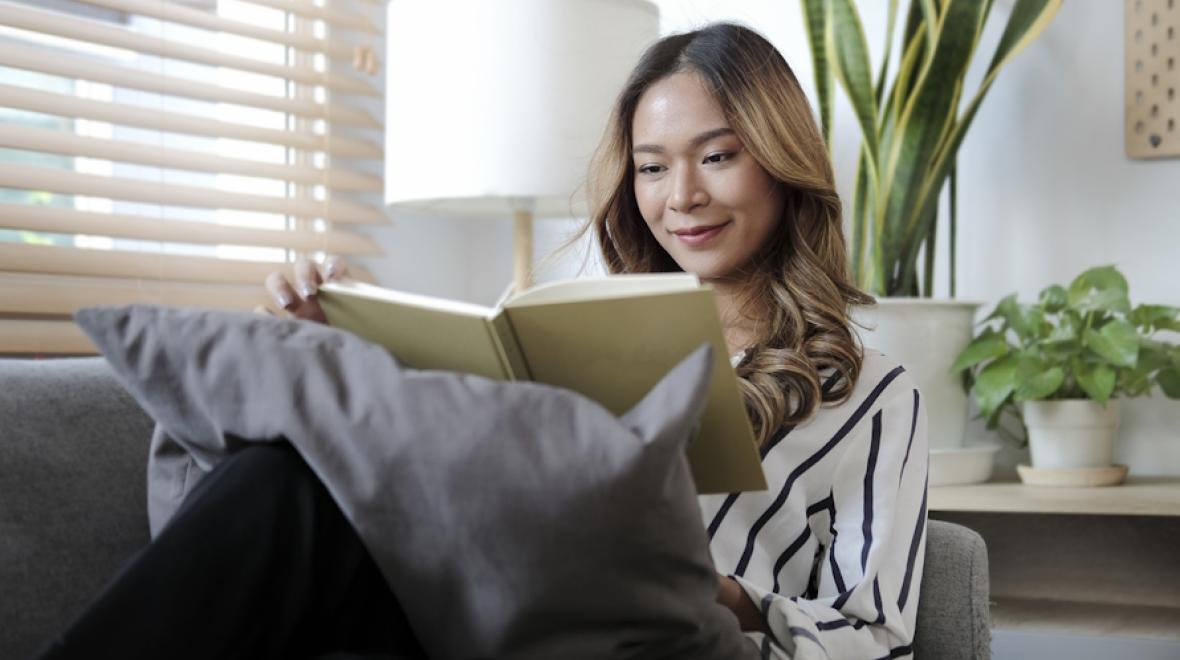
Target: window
pixel 177 151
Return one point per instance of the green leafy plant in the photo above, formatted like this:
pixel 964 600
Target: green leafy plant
pixel 1084 342
pixel 909 122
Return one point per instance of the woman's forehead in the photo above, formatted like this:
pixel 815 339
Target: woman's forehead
pixel 676 108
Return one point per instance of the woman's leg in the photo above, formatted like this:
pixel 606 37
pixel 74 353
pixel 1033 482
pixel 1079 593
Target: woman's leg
pixel 258 563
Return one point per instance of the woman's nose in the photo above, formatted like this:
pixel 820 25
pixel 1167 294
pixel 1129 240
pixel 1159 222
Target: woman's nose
pixel 687 192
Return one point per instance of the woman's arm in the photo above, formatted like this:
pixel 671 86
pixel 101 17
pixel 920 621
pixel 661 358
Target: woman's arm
pixel 734 597
pixel 864 600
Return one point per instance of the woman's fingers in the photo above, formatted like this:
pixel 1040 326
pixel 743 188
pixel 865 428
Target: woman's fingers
pixel 307 278
pixel 281 292
pixel 299 299
pixel 335 268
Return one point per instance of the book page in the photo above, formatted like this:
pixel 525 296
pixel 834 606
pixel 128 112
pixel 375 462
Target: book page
pixel 373 292
pixel 611 286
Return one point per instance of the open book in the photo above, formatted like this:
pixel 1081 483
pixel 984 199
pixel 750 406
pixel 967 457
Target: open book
pixel 609 338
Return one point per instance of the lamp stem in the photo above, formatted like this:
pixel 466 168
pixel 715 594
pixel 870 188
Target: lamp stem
pixel 522 248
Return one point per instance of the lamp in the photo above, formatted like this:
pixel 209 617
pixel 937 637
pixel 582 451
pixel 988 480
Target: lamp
pixel 493 108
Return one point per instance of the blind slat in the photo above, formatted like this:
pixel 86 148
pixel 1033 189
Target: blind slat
pixel 177 13
pixel 68 182
pixel 29 58
pixel 70 221
pixel 32 138
pixel 55 23
pixel 43 337
pixel 49 259
pixel 61 294
pixel 336 17
pixel 67 105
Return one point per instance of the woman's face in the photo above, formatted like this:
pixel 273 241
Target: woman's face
pixel 703 196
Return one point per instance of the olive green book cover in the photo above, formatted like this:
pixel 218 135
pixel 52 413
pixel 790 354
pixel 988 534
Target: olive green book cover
pixel 610 338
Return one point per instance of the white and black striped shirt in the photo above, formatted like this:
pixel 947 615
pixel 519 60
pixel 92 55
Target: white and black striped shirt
pixel 833 550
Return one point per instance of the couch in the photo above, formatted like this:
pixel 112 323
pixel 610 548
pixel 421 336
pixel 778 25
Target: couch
pixel 73 449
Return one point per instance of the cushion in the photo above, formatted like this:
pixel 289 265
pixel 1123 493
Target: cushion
pixel 513 520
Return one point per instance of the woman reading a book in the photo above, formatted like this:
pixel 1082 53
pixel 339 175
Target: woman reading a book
pixel 713 164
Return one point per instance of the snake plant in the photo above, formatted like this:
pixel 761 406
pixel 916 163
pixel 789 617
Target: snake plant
pixel 909 121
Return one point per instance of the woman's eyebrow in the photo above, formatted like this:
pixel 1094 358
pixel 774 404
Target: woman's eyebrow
pixel 695 142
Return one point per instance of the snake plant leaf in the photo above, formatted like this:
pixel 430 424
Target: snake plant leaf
pixel 899 93
pixel 889 23
pixel 922 127
pixel 848 53
pixel 815 17
pixel 987 346
pixel 860 226
pixel 1029 18
pixel 1169 380
pixel 1036 379
pixel 1117 342
pixel 930 20
pixel 1097 381
pixel 1102 288
pixel 995 384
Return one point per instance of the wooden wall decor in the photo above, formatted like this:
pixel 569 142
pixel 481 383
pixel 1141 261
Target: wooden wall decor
pixel 1152 90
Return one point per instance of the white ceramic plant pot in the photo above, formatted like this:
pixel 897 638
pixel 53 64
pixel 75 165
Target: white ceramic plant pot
pixel 1076 433
pixel 926 336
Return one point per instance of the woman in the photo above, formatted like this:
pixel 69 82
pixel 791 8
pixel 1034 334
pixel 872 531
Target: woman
pixel 713 164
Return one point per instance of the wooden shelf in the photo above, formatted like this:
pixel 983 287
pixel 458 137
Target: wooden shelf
pixel 1140 496
pixel 1028 614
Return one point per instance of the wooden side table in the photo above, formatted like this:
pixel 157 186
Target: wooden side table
pixel 1067 562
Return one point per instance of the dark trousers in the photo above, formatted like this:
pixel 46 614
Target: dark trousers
pixel 258 563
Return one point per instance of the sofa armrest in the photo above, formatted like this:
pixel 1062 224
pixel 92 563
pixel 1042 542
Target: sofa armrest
pixel 73 455
pixel 954 622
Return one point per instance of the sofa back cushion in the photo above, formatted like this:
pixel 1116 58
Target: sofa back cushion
pixel 72 506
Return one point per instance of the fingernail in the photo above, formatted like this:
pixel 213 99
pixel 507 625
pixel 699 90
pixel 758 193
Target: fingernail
pixel 284 300
pixel 307 291
pixel 332 270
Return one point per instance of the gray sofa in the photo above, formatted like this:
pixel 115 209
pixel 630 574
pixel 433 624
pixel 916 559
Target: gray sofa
pixel 73 449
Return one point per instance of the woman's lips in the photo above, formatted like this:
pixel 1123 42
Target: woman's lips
pixel 697 237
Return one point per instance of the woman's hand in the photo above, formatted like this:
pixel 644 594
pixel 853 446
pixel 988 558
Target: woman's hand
pixel 735 598
pixel 300 300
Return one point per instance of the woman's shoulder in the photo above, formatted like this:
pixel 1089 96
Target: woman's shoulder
pixel 881 379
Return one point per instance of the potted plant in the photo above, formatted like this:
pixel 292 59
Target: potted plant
pixel 1061 364
pixel 911 129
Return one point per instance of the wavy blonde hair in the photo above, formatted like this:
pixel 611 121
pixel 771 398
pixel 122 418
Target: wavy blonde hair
pixel 798 292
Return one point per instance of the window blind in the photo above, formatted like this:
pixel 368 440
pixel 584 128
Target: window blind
pixel 177 151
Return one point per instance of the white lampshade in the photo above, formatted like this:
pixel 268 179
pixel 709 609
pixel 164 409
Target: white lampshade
pixel 490 102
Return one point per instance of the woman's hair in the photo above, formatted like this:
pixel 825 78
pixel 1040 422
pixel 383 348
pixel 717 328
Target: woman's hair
pixel 798 293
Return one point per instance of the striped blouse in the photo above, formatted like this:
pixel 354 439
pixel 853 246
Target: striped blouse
pixel 833 550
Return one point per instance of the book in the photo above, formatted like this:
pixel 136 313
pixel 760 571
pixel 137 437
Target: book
pixel 609 338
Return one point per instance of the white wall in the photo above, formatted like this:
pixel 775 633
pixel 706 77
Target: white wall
pixel 1045 189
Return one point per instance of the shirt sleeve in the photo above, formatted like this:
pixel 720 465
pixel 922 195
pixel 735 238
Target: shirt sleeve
pixel 866 581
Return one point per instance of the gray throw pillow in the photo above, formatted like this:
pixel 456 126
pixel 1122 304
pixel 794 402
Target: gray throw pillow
pixel 513 520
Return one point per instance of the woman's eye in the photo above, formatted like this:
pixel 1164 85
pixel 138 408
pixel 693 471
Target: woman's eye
pixel 718 157
pixel 651 169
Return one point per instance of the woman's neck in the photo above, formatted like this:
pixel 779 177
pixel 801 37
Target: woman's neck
pixel 740 332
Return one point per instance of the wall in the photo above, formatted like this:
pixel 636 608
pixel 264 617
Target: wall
pixel 1045 190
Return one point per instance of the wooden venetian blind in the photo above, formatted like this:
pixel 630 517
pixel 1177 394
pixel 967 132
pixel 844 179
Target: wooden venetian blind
pixel 177 151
